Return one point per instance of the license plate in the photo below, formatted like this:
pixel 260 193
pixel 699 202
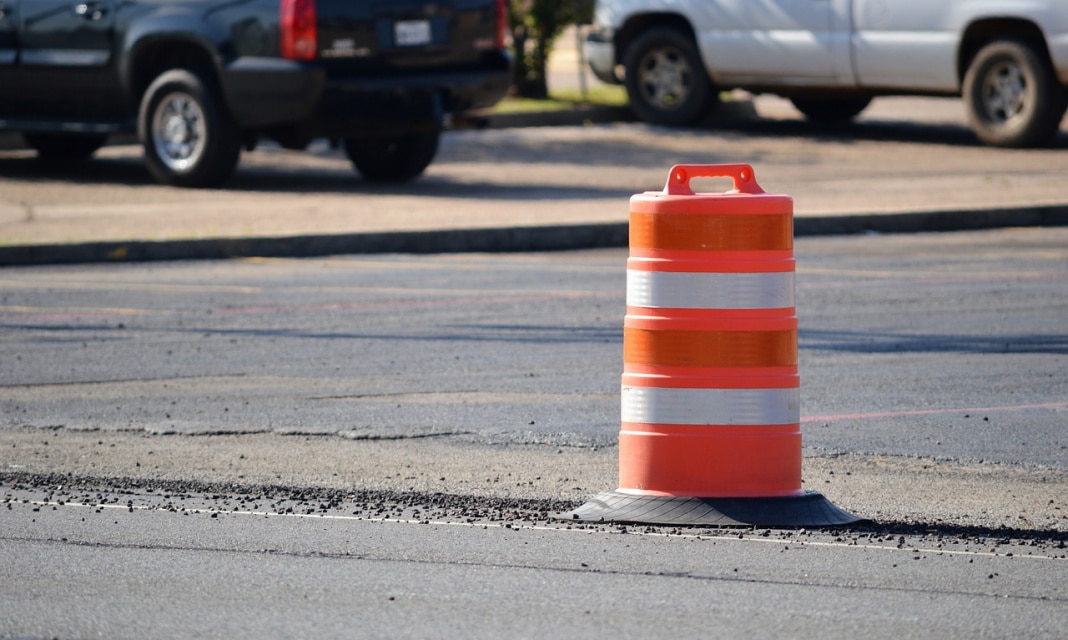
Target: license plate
pixel 411 33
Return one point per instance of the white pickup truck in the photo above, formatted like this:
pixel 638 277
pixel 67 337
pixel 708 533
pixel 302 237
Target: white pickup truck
pixel 1008 59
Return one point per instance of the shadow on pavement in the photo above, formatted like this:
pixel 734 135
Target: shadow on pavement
pixel 264 178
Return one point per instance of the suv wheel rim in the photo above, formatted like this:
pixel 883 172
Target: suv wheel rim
pixel 179 132
pixel 1005 92
pixel 665 78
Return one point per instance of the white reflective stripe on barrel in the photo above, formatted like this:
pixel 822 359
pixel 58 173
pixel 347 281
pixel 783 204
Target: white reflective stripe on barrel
pixel 657 405
pixel 675 290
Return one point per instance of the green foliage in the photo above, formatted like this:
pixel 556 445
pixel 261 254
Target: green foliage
pixel 535 25
pixel 601 95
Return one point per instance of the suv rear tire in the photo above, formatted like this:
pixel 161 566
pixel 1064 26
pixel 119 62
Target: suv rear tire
pixel 393 158
pixel 189 140
pixel 665 78
pixel 1013 96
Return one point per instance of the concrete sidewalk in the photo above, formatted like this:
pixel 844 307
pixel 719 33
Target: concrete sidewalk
pixel 514 189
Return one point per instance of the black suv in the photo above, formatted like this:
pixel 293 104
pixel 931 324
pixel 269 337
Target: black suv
pixel 198 80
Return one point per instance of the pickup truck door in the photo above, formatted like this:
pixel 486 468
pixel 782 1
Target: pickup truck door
pixel 66 56
pixel 8 53
pixel 908 44
pixel 775 42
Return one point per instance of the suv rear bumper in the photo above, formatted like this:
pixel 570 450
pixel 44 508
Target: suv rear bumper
pixel 266 93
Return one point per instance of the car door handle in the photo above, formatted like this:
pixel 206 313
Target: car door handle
pixel 91 10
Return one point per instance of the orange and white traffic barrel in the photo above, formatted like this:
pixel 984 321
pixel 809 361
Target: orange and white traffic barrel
pixel 710 398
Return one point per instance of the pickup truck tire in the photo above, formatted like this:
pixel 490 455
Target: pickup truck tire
pixel 61 147
pixel 831 110
pixel 1013 96
pixel 666 79
pixel 394 158
pixel 188 138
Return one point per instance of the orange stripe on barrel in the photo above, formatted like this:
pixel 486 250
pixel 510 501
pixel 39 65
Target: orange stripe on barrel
pixel 688 232
pixel 711 462
pixel 710 348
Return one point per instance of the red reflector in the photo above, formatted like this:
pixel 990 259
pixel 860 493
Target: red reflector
pixel 297 26
pixel 502 24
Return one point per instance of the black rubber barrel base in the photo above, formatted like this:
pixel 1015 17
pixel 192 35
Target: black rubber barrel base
pixel 810 509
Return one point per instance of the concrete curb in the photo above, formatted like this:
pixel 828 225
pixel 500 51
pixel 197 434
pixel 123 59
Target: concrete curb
pixel 503 239
pixel 920 221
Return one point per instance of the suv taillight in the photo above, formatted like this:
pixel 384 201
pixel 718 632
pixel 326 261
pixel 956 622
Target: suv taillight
pixel 502 24
pixel 297 28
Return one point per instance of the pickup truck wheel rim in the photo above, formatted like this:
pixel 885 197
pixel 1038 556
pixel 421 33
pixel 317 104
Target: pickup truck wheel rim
pixel 665 78
pixel 1005 92
pixel 179 132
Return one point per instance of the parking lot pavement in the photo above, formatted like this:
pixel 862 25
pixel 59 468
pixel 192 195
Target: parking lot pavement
pixel 530 188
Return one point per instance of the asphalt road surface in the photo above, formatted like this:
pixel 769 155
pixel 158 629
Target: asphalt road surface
pixel 376 447
pixel 943 345
pixel 80 570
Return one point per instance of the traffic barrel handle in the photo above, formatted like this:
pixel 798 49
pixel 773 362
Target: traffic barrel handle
pixel 678 183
